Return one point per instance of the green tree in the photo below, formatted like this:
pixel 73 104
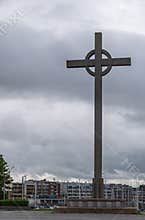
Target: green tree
pixel 5 178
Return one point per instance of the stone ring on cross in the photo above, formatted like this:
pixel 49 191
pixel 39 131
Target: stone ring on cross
pixel 92 53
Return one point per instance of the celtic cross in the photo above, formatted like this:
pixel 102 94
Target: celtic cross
pixel 98 62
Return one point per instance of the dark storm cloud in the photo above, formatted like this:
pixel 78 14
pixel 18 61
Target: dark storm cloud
pixel 137 118
pixel 33 62
pixel 125 86
pixel 32 66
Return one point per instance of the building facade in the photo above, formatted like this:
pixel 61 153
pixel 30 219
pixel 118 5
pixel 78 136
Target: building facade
pixel 75 190
pixel 49 193
pixel 46 192
pixel 119 191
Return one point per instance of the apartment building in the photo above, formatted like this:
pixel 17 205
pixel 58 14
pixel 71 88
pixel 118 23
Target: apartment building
pixel 75 190
pixel 119 191
pixel 35 188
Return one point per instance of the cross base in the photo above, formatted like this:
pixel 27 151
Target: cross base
pixel 98 188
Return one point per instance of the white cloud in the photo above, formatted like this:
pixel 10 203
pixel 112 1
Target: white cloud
pixel 66 17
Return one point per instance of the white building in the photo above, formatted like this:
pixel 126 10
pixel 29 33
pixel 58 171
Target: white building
pixel 76 190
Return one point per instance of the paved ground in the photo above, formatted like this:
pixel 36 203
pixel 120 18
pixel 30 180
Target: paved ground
pixel 31 215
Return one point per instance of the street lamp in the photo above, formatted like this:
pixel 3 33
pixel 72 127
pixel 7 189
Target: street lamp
pixel 24 186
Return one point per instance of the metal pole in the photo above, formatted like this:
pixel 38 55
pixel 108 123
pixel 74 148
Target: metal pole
pixel 79 190
pixel 3 185
pixel 22 187
pixel 25 189
pixel 35 194
pixel 4 192
pixel 137 194
pixel 142 196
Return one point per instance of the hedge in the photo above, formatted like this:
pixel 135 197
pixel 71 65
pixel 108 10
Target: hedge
pixel 16 202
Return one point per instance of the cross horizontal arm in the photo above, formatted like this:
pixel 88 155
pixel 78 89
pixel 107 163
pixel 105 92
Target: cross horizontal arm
pixel 79 63
pixel 104 62
pixel 117 61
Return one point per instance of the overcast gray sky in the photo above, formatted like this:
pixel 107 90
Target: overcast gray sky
pixel 46 110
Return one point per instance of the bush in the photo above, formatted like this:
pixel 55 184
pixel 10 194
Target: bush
pixel 14 202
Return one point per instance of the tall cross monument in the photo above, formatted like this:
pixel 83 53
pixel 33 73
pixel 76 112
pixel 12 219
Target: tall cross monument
pixel 98 72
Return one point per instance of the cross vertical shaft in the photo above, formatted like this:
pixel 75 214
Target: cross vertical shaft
pixel 98 181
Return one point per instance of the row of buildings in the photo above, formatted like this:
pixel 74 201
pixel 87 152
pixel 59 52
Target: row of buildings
pixel 49 193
